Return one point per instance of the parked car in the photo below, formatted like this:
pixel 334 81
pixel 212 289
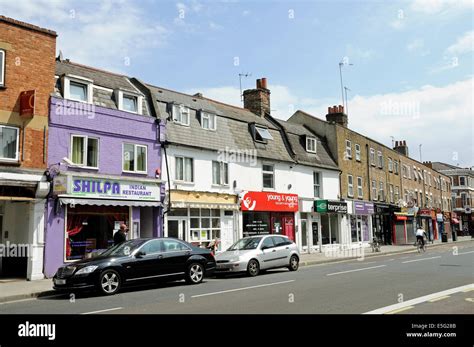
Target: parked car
pixel 134 261
pixel 256 253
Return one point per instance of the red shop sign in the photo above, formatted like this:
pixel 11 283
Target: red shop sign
pixel 266 201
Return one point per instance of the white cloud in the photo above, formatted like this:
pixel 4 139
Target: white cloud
pixel 463 44
pixel 107 34
pixel 437 6
pixel 438 117
pixel 358 53
pixel 417 46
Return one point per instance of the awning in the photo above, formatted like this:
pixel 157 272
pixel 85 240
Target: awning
pixel 402 217
pixel 455 221
pixel 104 202
pixel 182 204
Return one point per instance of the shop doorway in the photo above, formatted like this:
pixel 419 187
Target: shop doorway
pixel 177 228
pixel 315 232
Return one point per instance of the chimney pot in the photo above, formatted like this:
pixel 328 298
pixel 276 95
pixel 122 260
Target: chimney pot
pixel 329 110
pixel 259 83
pixel 396 143
pixel 341 109
pixel 264 83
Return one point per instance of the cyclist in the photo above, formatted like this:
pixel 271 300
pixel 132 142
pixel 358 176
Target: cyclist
pixel 420 235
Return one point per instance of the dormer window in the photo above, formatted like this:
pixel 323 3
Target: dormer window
pixel 208 120
pixel 181 114
pixel 260 133
pixel 129 102
pixel 77 88
pixel 311 144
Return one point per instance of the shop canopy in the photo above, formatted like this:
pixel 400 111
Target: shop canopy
pixel 182 204
pixel 105 202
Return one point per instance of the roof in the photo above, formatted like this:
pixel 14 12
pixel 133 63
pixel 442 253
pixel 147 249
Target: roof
pixel 296 134
pixel 232 131
pixel 449 169
pixel 109 80
pixel 443 166
pixel 27 26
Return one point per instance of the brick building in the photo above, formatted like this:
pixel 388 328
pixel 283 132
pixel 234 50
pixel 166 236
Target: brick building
pixel 27 55
pixel 388 193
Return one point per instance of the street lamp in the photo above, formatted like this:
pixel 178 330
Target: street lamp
pixel 343 62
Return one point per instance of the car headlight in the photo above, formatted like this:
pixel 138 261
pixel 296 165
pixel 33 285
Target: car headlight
pixel 87 270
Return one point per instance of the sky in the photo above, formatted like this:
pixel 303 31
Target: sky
pixel 408 65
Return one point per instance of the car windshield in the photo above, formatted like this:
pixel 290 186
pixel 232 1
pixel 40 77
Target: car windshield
pixel 247 243
pixel 125 248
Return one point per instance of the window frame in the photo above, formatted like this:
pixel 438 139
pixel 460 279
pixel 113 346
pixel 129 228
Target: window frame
pixel 390 164
pixel 17 149
pixel 224 179
pixel 350 186
pixel 360 189
pixel 182 110
pixel 396 167
pixel 348 149
pixel 208 115
pixel 372 157
pixel 374 187
pixel 266 172
pixel 311 140
pixel 462 185
pixel 381 194
pixel 357 152
pixel 391 193
pixel 78 80
pixel 317 185
pixel 3 66
pixel 86 143
pixel 256 131
pixel 121 94
pixel 379 160
pixel 184 169
pixel 135 146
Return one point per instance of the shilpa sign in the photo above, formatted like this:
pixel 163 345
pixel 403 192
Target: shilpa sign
pixel 328 206
pixel 265 201
pixel 103 188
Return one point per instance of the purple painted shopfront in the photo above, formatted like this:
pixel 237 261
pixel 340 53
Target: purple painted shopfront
pixel 104 165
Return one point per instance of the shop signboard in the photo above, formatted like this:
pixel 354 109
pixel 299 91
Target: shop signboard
pixel 328 206
pixel 100 188
pixel 266 201
pixel 361 207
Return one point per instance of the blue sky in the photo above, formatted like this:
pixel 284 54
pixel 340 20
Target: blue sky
pixel 415 53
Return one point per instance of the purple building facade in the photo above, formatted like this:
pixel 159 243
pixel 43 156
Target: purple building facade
pixel 104 159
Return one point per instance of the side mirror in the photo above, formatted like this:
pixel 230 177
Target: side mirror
pixel 264 248
pixel 140 254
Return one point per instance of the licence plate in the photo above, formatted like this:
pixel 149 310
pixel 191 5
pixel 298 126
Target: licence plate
pixel 59 281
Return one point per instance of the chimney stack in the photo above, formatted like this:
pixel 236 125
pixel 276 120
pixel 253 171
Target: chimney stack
pixel 336 114
pixel 401 147
pixel 258 100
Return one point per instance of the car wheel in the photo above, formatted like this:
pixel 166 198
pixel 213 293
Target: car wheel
pixel 253 268
pixel 109 282
pixel 294 263
pixel 195 273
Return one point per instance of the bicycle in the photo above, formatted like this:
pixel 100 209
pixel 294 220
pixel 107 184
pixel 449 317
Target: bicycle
pixel 420 246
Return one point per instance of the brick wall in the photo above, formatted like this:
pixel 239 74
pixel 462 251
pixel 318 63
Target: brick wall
pixel 30 63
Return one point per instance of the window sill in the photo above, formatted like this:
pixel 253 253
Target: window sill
pixel 220 186
pixel 135 172
pixel 182 124
pixel 184 183
pixel 268 189
pixel 83 167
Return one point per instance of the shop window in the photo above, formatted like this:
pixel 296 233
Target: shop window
pixel 220 173
pixel 184 169
pixel 205 225
pixel 357 152
pixel 2 68
pixel 208 120
pixel 360 192
pixel 317 184
pixel 228 213
pixel 268 176
pixel 180 114
pixel 256 223
pixel 9 143
pixel 84 151
pixel 134 158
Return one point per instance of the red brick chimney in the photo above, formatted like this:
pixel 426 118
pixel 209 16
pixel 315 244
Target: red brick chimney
pixel 336 114
pixel 401 147
pixel 258 100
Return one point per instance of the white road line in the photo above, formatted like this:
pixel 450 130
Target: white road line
pixel 411 261
pixel 365 268
pixel 420 300
pixel 109 309
pixel 465 253
pixel 238 289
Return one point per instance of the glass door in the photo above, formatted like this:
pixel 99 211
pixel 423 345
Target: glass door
pixel 177 228
pixel 304 235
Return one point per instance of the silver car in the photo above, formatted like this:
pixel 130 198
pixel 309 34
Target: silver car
pixel 256 253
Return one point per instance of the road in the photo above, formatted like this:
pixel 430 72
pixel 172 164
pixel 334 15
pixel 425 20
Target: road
pixel 404 284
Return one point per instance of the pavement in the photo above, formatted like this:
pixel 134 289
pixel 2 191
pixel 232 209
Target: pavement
pixel 394 281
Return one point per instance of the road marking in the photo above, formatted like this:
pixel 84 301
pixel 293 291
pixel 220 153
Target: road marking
pixel 465 253
pixel 421 299
pixel 239 289
pixel 364 268
pixel 109 309
pixel 468 290
pixel 400 310
pixel 440 298
pixel 411 261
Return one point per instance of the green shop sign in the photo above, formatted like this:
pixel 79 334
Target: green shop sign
pixel 327 206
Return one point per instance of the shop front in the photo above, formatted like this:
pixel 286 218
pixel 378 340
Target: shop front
pixel 404 226
pixel 332 219
pixel 203 217
pixel 361 222
pixel 383 223
pixel 86 211
pixel 308 234
pixel 428 221
pixel 268 213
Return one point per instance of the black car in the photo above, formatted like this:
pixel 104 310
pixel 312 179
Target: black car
pixel 137 260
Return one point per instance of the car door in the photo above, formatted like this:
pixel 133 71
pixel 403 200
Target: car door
pixel 175 256
pixel 283 251
pixel 149 264
pixel 268 254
